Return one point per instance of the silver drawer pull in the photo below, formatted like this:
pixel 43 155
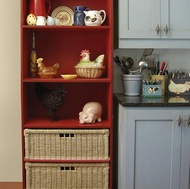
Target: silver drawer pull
pixel 166 29
pixel 157 29
pixel 179 120
pixel 187 120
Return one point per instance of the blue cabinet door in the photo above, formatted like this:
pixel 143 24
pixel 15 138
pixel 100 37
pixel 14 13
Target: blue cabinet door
pixel 185 151
pixel 150 142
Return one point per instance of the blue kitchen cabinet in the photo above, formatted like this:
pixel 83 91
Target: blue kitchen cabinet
pixel 153 148
pixel 156 24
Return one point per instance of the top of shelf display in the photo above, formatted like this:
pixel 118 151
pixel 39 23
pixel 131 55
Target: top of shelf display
pixel 39 15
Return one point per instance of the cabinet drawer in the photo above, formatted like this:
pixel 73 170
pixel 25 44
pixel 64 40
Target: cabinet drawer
pixel 67 175
pixel 67 144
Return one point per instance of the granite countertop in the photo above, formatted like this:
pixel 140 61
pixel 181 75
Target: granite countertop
pixel 164 101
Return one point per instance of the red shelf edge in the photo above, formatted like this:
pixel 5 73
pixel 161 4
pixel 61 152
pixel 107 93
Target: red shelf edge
pixel 77 80
pixel 66 27
pixel 66 123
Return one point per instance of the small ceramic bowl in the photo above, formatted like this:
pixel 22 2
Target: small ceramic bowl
pixel 68 76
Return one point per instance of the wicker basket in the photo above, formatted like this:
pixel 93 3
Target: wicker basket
pixel 67 175
pixel 67 144
pixel 89 72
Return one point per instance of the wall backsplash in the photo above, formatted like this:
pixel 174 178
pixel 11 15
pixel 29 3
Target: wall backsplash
pixel 176 58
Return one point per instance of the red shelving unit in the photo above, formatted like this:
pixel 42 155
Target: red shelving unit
pixel 63 44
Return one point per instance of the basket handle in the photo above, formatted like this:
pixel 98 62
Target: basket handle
pixel 66 135
pixel 67 168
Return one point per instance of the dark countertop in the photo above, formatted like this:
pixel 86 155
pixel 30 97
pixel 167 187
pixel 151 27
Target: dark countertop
pixel 164 101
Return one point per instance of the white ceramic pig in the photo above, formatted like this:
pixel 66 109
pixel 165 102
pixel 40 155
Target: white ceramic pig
pixel 91 112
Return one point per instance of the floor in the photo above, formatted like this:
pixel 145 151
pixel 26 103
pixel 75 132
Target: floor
pixel 10 185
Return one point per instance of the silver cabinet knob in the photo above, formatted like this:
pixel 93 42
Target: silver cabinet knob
pixel 166 29
pixel 187 120
pixel 179 120
pixel 157 29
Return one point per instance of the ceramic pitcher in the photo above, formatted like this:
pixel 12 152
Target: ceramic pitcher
pixel 41 21
pixel 40 7
pixel 50 21
pixel 94 17
pixel 79 15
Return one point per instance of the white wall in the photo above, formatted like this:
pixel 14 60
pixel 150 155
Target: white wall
pixel 10 121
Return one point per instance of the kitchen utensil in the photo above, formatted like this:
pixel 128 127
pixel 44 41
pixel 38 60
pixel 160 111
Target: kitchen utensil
pixel 178 74
pixel 157 67
pixel 143 65
pixel 183 75
pixel 33 58
pixel 163 68
pixel 128 62
pixel 120 63
pixel 147 52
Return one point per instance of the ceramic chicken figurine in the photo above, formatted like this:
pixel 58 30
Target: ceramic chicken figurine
pixel 47 72
pixel 51 100
pixel 179 88
pixel 85 60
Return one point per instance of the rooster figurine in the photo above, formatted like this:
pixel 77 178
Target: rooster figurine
pixel 179 88
pixel 85 60
pixel 47 72
pixel 51 100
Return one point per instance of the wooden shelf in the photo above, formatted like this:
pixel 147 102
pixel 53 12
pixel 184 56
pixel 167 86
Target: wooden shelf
pixel 66 123
pixel 60 80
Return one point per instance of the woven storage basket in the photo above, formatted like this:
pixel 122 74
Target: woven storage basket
pixel 67 144
pixel 88 72
pixel 67 175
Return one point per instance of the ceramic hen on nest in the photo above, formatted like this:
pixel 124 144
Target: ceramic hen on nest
pixel 51 100
pixel 85 60
pixel 47 72
pixel 90 69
